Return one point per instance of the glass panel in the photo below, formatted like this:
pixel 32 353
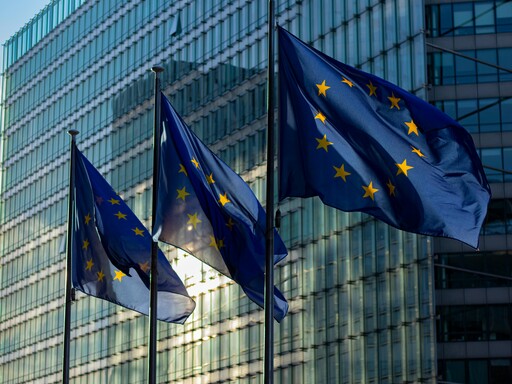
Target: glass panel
pixel 467 114
pixel 484 17
pixel 505 61
pixel 446 20
pixel 493 161
pixel 495 220
pixel 447 75
pixel 507 163
pixel 500 371
pixel 489 115
pixel 487 73
pixel 504 16
pixel 455 372
pixel 465 68
pixel 463 19
pixel 477 371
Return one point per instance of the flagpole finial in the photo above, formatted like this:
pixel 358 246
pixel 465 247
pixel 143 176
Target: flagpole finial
pixel 157 69
pixel 73 132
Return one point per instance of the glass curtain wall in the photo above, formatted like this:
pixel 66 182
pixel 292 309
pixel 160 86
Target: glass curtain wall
pixel 360 292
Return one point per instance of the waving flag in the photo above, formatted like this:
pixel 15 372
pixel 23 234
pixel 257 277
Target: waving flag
pixel 111 251
pixel 206 209
pixel 363 144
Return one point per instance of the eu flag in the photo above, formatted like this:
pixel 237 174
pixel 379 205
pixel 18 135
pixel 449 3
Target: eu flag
pixel 111 252
pixel 206 209
pixel 363 144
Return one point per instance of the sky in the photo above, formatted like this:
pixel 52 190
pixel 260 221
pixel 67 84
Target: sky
pixel 14 15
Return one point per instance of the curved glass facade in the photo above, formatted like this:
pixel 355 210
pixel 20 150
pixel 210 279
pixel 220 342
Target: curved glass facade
pixel 360 292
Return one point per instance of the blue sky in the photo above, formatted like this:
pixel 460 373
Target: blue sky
pixel 14 14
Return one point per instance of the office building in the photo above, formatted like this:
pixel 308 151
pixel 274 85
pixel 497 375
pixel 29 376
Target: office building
pixel 474 309
pixel 362 296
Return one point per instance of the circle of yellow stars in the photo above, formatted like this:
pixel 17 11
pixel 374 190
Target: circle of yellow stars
pixel 194 219
pixel 323 143
pixel 89 265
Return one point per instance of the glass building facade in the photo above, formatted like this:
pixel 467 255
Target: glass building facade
pixel 362 297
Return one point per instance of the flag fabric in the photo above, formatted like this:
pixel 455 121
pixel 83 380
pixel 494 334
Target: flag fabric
pixel 206 209
pixel 363 144
pixel 111 251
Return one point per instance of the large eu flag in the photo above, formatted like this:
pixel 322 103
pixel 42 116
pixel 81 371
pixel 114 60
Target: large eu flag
pixel 363 144
pixel 206 209
pixel 111 251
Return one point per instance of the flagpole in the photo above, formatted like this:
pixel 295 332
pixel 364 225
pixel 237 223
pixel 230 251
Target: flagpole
pixel 154 245
pixel 69 295
pixel 269 237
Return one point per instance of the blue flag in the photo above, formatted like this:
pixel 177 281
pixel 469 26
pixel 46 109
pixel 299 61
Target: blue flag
pixel 111 251
pixel 363 144
pixel 206 209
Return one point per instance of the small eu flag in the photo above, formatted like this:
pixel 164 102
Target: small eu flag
pixel 111 252
pixel 363 144
pixel 206 209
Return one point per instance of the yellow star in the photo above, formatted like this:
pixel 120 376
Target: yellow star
pixel 213 243
pixel 209 178
pixel 119 275
pixel 183 170
pixel 417 151
pixel 193 219
pixel 195 162
pixel 100 275
pixel 138 232
pixel 391 188
pixel 369 191
pixel 224 199
pixel 412 127
pixel 322 88
pixel 348 82
pixel 403 168
pixel 89 265
pixel 182 193
pixel 230 224
pixel 321 117
pixel 85 244
pixel 340 172
pixel 373 89
pixel 144 266
pixel 120 215
pixel 217 244
pixel 114 201
pixel 394 101
pixel 87 219
pixel 323 143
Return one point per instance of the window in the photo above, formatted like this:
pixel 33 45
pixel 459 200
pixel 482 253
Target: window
pixel 467 18
pixel 504 16
pixel 481 371
pixel 454 270
pixel 480 115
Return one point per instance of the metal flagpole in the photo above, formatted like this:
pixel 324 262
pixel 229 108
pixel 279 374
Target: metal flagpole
pixel 269 237
pixel 154 246
pixel 69 295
